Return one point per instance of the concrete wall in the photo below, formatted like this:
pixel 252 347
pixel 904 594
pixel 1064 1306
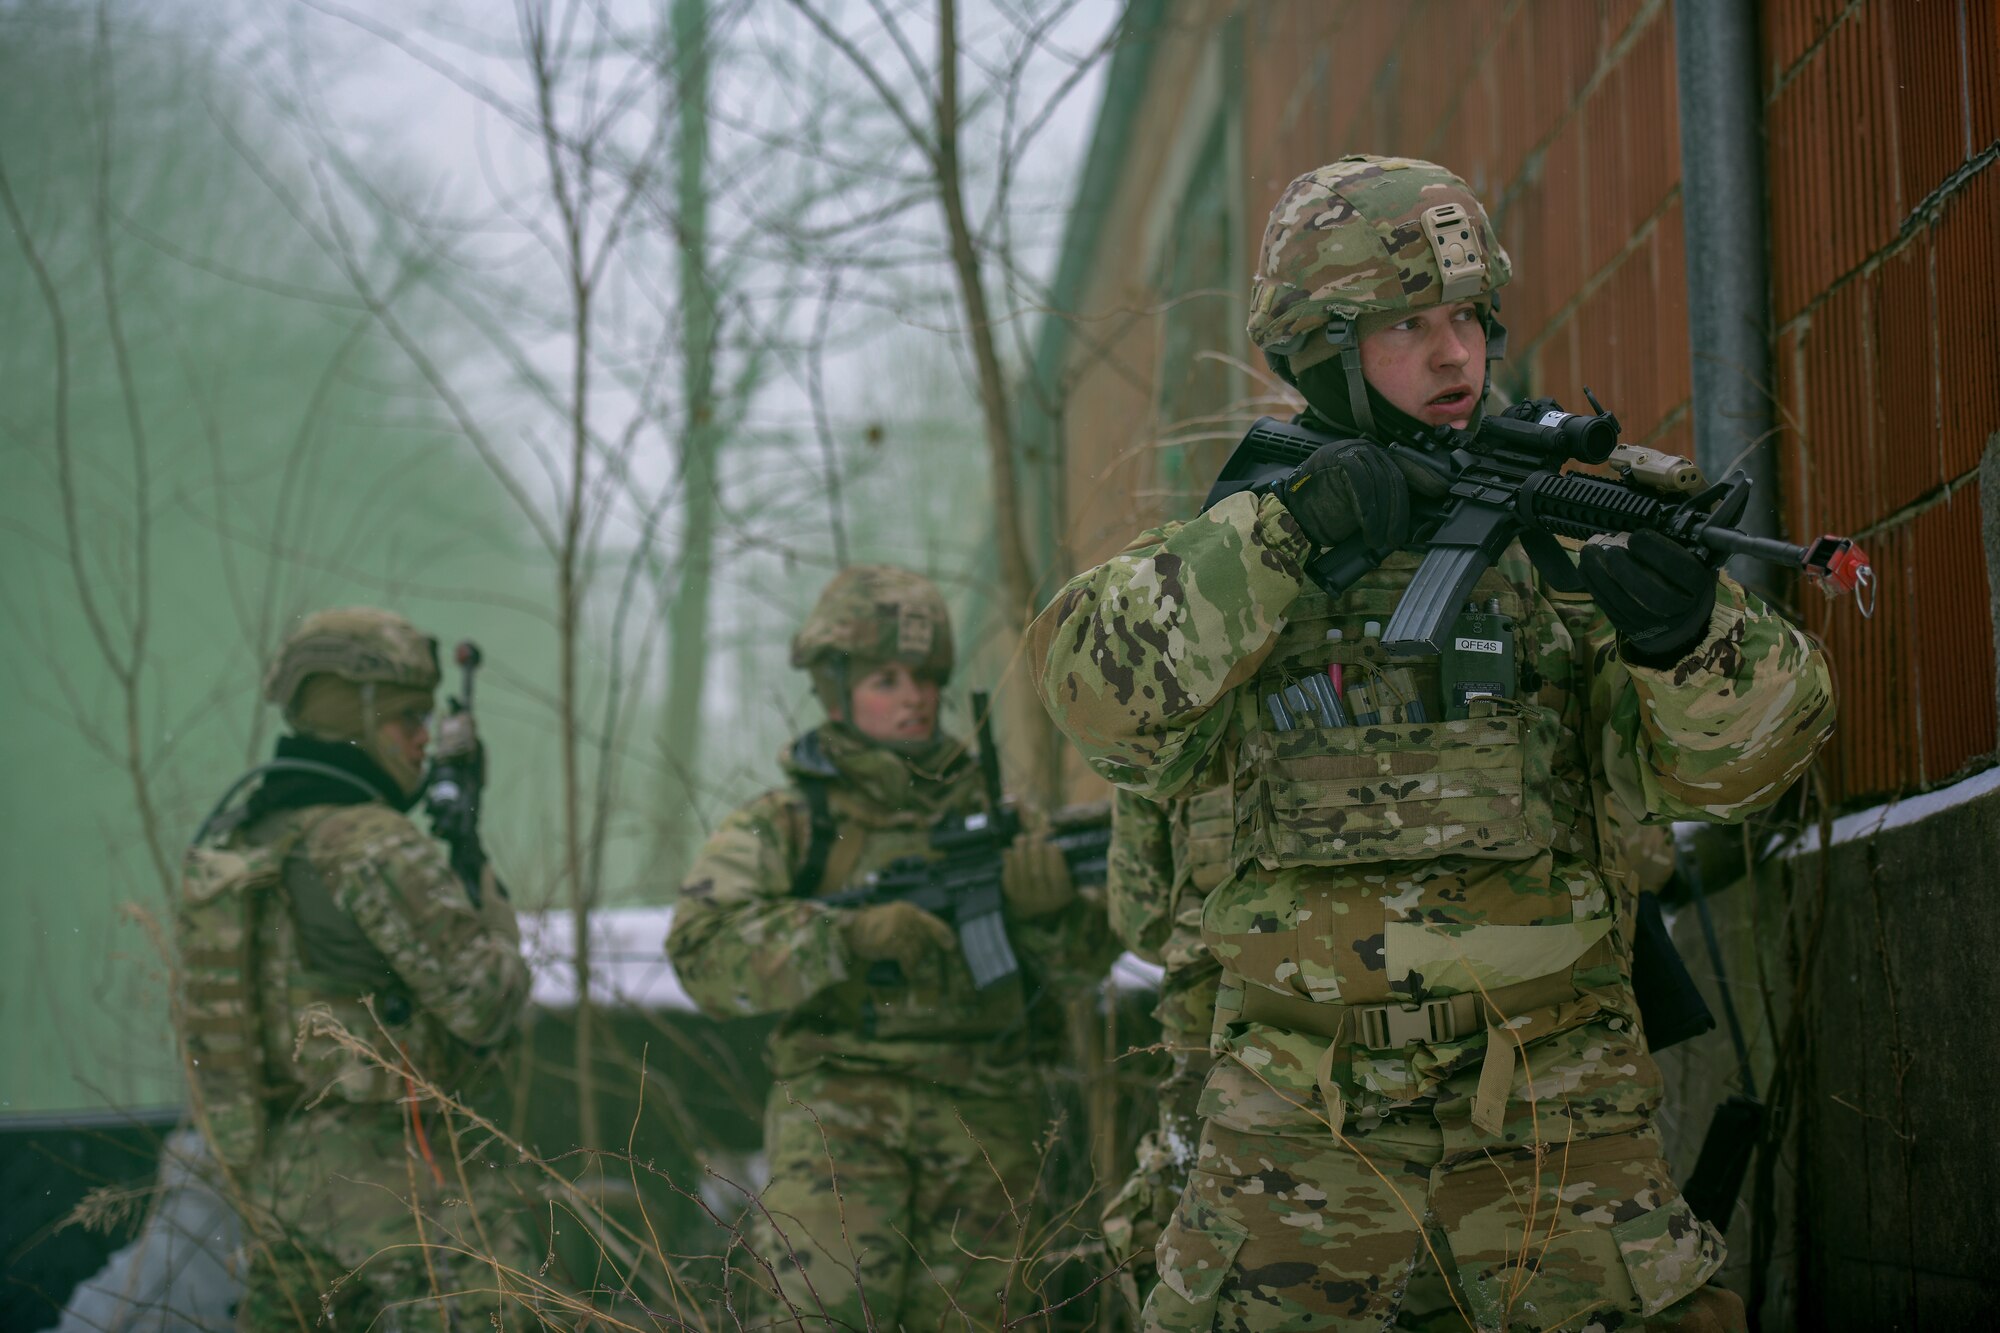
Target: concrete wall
pixel 1897 1174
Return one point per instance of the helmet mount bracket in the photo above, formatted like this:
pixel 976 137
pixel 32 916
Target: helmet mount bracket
pixel 1454 243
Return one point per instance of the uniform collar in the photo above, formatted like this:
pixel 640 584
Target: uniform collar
pixel 893 779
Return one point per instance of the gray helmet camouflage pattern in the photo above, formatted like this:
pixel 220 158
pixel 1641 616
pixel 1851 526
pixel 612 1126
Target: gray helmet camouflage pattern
pixel 871 614
pixel 358 644
pixel 1368 234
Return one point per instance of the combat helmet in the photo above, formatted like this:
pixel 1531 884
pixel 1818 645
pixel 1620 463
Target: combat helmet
pixel 1369 235
pixel 358 644
pixel 870 615
pixel 353 662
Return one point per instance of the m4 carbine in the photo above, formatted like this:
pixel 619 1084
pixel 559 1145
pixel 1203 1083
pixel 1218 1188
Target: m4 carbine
pixel 455 786
pixel 1477 491
pixel 959 883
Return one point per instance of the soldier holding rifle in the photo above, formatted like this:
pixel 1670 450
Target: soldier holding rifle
pixel 1434 1103
pixel 905 1127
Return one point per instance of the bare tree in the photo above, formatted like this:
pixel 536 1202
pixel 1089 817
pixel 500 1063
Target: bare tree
pixel 116 602
pixel 165 389
pixel 608 438
pixel 929 109
pixel 703 434
pixel 579 334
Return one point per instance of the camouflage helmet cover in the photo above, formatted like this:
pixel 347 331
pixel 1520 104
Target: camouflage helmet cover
pixel 873 614
pixel 1368 234
pixel 358 644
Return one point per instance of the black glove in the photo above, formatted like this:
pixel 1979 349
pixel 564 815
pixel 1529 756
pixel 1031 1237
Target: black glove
pixel 1349 488
pixel 1655 592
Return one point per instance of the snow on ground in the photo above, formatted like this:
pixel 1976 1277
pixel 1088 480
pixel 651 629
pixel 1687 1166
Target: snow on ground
pixel 629 967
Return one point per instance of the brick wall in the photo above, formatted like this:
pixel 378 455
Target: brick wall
pixel 1887 300
pixel 1561 115
pixel 1119 421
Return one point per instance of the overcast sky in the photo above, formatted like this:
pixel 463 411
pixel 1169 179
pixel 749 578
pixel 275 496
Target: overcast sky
pixel 393 82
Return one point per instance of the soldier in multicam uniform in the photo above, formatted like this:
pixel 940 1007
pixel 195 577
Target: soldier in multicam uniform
pixel 330 959
pixel 1434 1103
pixel 905 1127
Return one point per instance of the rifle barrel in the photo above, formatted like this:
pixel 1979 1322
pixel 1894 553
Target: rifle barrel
pixel 1731 542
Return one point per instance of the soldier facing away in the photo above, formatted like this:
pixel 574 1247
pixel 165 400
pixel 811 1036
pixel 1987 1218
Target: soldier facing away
pixel 331 961
pixel 905 1125
pixel 1434 1104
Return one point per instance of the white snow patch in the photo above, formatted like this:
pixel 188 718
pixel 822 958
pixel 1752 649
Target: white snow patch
pixel 1903 813
pixel 629 967
pixel 628 959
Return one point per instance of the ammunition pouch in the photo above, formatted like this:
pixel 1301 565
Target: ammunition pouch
pixel 1401 781
pixel 1205 838
pixel 1410 791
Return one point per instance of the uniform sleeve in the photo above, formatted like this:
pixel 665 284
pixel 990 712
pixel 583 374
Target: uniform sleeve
pixel 399 888
pixel 1722 733
pixel 1136 653
pixel 1139 878
pixel 741 943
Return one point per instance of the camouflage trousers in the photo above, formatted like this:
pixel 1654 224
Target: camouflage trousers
pixel 355 1230
pixel 895 1203
pixel 1410 1219
pixel 1134 1218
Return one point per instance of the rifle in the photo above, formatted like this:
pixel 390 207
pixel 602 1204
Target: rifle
pixel 1083 832
pixel 959 883
pixel 457 782
pixel 1502 480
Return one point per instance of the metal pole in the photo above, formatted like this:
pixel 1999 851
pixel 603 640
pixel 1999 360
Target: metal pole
pixel 1728 275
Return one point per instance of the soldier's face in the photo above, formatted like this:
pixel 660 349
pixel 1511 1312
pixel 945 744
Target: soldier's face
pixel 1430 362
pixel 407 735
pixel 891 703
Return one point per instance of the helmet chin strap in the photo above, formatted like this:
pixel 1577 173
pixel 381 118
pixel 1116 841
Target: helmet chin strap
pixel 1341 333
pixel 1496 350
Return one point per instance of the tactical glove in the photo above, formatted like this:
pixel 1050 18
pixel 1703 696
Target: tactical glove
pixel 1034 877
pixel 1655 592
pixel 455 734
pixel 1349 488
pixel 902 933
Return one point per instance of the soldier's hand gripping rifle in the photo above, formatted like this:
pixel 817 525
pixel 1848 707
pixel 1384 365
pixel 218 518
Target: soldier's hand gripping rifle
pixel 1481 489
pixel 457 780
pixel 960 882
